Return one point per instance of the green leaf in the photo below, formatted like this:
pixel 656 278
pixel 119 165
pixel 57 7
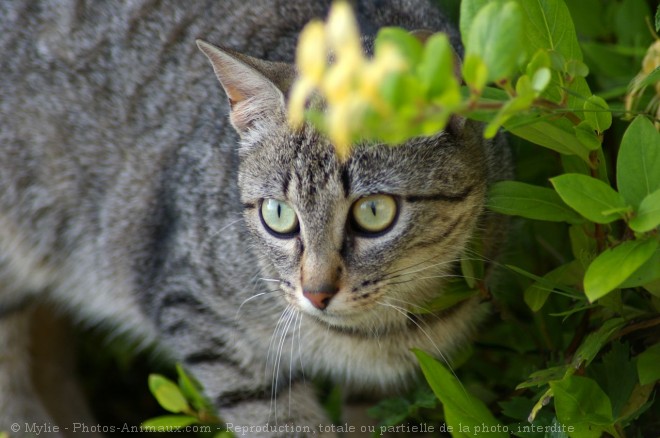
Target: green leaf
pixel 168 394
pixel 496 36
pixel 597 113
pixel 575 68
pixel 648 214
pixel 620 376
pixel 469 10
pixel 541 377
pixel 548 25
pixel 657 19
pixel 648 365
pixel 566 290
pixel 475 72
pixel 590 197
pixel 580 402
pixel 460 407
pixel 541 79
pixel 557 135
pixel 192 390
pixel 612 267
pixel 472 267
pixel 540 61
pixel 637 403
pixel 569 274
pixel 646 274
pixel 595 341
pixel 436 71
pixel 529 201
pixel 585 133
pixel 638 165
pixel 409 46
pixel 167 423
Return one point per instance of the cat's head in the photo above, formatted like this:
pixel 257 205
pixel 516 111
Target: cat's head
pixel 359 244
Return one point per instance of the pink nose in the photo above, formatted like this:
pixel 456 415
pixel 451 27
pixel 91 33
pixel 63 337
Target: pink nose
pixel 320 297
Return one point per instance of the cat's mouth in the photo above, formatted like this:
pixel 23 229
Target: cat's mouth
pixel 378 323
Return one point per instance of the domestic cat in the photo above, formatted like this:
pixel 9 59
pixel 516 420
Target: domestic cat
pixel 245 248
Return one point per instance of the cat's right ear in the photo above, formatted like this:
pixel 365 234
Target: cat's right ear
pixel 255 88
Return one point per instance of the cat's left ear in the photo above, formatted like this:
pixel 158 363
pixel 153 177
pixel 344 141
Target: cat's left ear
pixel 255 88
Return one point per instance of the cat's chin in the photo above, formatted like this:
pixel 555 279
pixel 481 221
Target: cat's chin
pixel 368 359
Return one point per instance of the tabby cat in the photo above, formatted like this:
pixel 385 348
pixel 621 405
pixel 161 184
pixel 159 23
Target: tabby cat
pixel 247 249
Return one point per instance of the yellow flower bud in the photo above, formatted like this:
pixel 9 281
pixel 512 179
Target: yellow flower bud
pixel 300 91
pixel 343 33
pixel 311 54
pixel 339 82
pixel 341 121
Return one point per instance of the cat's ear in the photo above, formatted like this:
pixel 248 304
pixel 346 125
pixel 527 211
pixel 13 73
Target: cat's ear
pixel 455 123
pixel 255 88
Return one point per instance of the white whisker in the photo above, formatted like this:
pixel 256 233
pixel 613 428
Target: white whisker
pixel 440 354
pixel 225 227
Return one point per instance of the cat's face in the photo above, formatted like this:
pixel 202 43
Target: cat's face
pixel 362 243
pixel 359 245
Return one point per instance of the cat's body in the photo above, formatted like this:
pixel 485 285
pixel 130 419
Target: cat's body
pixel 122 200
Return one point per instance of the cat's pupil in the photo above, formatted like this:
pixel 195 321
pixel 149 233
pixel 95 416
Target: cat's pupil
pixel 373 208
pixel 279 210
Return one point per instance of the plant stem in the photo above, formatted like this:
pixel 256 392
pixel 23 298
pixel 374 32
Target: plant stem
pixel 638 326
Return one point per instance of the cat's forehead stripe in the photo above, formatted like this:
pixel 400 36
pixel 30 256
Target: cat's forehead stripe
pixel 458 197
pixel 345 180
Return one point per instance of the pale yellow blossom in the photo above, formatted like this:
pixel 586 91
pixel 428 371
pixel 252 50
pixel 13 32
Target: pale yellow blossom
pixel 350 83
pixel 341 120
pixel 311 54
pixel 339 83
pixel 300 92
pixel 343 33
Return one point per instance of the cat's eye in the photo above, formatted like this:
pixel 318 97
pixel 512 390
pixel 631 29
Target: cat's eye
pixel 375 213
pixel 279 217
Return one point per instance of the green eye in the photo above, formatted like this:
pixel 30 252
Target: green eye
pixel 278 217
pixel 375 213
